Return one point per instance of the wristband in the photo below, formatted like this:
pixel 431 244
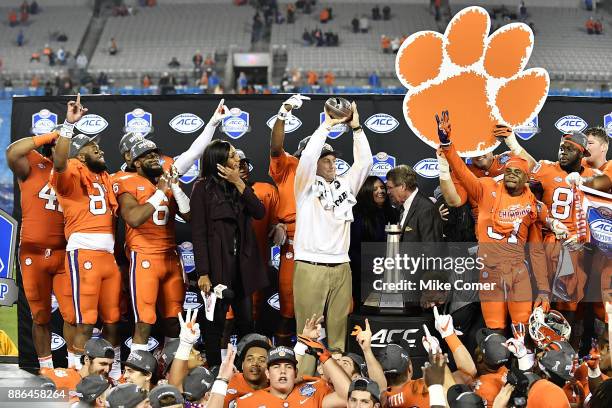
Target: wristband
pixel 596 373
pixel 436 395
pixel 324 356
pixel 300 349
pixel 183 351
pixel 219 387
pixel 43 139
pixel 526 362
pixel 281 115
pixel 513 144
pixel 453 342
pixel 156 198
pixel 67 130
pixel 225 380
pixel 357 129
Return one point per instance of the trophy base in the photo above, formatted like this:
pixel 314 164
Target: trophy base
pixel 384 303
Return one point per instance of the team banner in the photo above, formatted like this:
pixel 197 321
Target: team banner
pixel 598 210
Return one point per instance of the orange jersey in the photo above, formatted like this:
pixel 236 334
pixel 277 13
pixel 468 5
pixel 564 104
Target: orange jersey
pixel 412 393
pixel 282 170
pixel 268 195
pixel 496 169
pixel 157 233
pixel 84 198
pixel 487 386
pixel 64 378
pixel 236 388
pixel 585 164
pixel 307 394
pixel 558 195
pixel 545 394
pixel 42 220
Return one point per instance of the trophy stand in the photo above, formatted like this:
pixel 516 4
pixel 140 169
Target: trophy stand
pixel 388 301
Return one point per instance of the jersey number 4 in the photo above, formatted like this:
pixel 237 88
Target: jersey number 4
pixel 48 194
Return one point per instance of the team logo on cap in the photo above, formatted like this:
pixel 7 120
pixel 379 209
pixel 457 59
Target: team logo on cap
pixel 528 130
pixel 191 301
pixel 608 124
pixel 292 123
pixel 43 122
pixel 191 174
pixel 186 123
pixel 571 123
pixel 57 342
pixel 341 167
pixel 139 122
pixel 427 168
pixel 274 301
pixel 383 162
pixel 381 123
pixel 152 343
pixel 337 130
pixel 91 124
pixel 185 250
pixel 237 124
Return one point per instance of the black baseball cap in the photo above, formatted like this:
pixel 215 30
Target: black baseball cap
pixel 579 139
pixel 327 149
pixel 79 141
pixel 142 147
pixel 461 396
pixel 252 340
pixel 141 360
pixel 197 383
pixel 559 363
pixel 127 141
pixel 359 362
pixel 394 359
pixel 91 387
pixel 492 346
pixel 164 391
pixel 281 353
pixel 365 384
pixel 126 396
pixel 99 348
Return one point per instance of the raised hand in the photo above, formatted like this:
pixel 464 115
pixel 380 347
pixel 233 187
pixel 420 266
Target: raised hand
pixel 363 337
pixel 227 368
pixel 312 327
pixel 75 110
pixel 221 113
pixel 502 132
pixel 355 117
pixel 444 324
pixel 444 128
pixel 190 330
pixel 295 102
pixel 430 343
pixel 433 371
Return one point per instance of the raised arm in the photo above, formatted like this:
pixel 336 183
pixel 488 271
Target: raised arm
pixel 195 151
pixel 454 194
pixel 362 154
pixel 507 135
pixel 461 355
pixel 190 333
pixel 277 139
pixel 74 113
pixel 375 370
pixel 17 152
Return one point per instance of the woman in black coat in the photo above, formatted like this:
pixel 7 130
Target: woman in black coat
pixel 371 213
pixel 224 243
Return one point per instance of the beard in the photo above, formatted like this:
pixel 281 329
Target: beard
pixel 152 172
pixel 95 166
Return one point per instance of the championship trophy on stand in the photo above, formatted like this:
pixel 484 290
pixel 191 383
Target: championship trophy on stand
pixel 387 301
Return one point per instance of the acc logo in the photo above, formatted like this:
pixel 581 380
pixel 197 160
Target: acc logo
pixel 91 124
pixel 57 341
pixel 185 250
pixel 43 122
pixel 381 123
pixel 191 301
pixel 235 126
pixel 275 253
pixel 528 130
pixel 274 301
pixel 191 174
pixel 341 167
pixel 608 123
pixel 54 303
pixel 186 123
pixel 601 230
pixel 292 123
pixel 152 343
pixel 427 168
pixel 307 390
pixel 385 336
pixel 571 123
pixel 382 164
pixel 337 130
pixel 139 122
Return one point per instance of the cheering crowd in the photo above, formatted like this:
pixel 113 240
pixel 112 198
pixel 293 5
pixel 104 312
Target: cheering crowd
pixel 517 345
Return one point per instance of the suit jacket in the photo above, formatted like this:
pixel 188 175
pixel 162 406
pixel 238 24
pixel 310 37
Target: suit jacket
pixel 423 222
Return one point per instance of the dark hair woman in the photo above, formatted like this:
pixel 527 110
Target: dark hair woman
pixel 224 243
pixel 371 213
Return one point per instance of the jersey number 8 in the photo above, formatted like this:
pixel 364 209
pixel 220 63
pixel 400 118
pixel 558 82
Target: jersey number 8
pixel 97 203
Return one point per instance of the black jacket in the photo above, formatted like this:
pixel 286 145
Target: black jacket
pixel 218 225
pixel 423 222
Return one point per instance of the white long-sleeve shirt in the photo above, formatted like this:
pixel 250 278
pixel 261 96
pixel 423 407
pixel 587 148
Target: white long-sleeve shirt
pixel 319 236
pixel 195 151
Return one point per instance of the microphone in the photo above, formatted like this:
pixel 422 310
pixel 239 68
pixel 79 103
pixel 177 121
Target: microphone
pixel 223 292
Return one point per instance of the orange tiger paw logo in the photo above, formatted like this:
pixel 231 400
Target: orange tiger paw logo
pixel 479 79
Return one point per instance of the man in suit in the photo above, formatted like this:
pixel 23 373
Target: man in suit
pixel 419 218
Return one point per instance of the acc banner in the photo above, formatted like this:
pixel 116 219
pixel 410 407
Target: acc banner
pixel 598 207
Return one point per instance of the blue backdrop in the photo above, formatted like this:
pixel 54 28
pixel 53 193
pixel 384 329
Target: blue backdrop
pixel 6 177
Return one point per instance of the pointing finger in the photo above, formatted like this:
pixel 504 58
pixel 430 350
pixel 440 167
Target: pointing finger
pixel 78 101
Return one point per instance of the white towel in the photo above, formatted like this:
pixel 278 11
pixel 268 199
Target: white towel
pixel 335 196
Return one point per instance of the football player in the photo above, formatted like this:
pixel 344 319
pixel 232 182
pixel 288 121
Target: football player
pixel 42 246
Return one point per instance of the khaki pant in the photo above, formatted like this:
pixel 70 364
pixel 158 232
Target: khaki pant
pixel 323 289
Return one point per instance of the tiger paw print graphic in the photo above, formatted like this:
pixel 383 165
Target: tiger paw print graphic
pixel 479 79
